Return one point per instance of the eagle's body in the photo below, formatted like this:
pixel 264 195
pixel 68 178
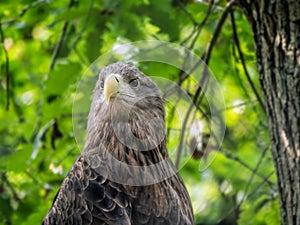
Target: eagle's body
pixel 124 175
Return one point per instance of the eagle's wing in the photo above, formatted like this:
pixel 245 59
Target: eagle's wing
pixel 85 197
pixel 161 204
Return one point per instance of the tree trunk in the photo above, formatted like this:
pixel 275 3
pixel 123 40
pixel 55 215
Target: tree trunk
pixel 276 30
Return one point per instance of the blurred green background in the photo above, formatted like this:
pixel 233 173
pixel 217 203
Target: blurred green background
pixel 46 48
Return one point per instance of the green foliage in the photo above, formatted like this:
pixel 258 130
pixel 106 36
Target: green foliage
pixel 263 211
pixel 235 184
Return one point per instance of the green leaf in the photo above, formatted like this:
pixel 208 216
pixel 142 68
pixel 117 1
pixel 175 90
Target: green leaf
pixel 60 79
pixel 17 161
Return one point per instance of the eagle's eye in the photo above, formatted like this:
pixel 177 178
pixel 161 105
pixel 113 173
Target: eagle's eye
pixel 134 82
pixel 102 84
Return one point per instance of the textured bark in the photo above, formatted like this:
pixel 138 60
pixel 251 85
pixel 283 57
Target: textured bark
pixel 276 30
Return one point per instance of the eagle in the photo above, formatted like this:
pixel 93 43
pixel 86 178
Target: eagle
pixel 124 175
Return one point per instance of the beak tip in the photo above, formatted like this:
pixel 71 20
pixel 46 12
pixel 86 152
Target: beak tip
pixel 111 86
pixel 106 100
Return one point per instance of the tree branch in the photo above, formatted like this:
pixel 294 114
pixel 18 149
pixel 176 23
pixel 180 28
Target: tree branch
pixel 10 186
pixel 31 5
pixel 197 29
pixel 254 172
pixel 88 14
pixel 206 55
pixel 25 10
pixel 254 190
pixel 60 40
pixel 241 55
pixel 182 7
pixel 244 164
pixel 239 105
pixel 204 58
pixel 58 45
pixel 7 75
pixel 203 22
pixel 261 183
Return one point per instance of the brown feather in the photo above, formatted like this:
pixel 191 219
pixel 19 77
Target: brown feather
pixel 91 193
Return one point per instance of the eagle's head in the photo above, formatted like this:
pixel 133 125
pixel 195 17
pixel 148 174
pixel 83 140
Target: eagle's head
pixel 122 88
pixel 127 111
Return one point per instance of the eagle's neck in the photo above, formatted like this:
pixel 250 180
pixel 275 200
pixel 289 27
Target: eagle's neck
pixel 133 142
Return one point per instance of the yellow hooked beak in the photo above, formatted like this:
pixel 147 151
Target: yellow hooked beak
pixel 111 86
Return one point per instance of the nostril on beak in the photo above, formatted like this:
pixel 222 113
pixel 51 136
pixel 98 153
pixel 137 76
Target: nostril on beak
pixel 117 79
